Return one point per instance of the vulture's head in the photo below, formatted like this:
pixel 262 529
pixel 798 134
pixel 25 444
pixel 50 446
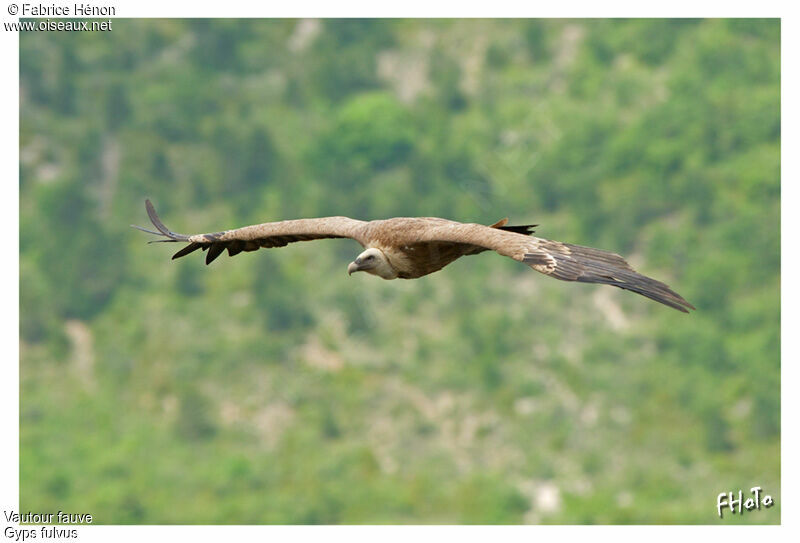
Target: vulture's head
pixel 374 262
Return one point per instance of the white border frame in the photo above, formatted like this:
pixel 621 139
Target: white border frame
pixel 9 150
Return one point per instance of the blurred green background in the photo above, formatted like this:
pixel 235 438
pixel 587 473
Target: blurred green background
pixel 272 388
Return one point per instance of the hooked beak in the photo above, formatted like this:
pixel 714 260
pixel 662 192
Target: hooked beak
pixel 353 267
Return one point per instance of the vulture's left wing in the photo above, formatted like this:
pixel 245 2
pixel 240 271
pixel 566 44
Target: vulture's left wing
pixel 251 238
pixel 560 260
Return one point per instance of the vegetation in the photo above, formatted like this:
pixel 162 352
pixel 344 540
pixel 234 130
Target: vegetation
pixel 272 388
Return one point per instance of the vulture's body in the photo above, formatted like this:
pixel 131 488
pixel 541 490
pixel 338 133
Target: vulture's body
pixel 412 247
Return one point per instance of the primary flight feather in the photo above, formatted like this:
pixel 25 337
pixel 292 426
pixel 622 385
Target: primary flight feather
pixel 412 247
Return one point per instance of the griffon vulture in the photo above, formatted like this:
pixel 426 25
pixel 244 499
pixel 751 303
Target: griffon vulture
pixel 411 247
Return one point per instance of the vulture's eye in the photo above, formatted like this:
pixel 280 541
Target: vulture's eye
pixel 370 257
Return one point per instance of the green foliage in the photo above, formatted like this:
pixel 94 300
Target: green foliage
pixel 272 388
pixel 66 229
pixel 370 133
pixel 343 58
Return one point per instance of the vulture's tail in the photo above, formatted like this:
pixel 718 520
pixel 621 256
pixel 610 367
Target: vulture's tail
pixel 526 230
pixel 587 265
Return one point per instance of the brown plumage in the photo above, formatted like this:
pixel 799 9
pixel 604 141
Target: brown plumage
pixel 412 247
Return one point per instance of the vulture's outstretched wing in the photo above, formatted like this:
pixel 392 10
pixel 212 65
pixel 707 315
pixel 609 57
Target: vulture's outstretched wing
pixel 560 260
pixel 251 238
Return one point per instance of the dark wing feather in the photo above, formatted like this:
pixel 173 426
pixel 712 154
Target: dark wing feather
pixel 251 238
pixel 186 250
pixel 213 252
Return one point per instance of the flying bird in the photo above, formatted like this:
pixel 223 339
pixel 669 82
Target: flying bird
pixel 412 247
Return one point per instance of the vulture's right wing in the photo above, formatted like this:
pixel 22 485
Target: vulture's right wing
pixel 251 238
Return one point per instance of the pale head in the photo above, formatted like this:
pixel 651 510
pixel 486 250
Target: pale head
pixel 374 262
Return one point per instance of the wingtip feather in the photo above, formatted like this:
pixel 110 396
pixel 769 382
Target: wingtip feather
pixel 589 265
pixel 145 230
pixel 151 212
